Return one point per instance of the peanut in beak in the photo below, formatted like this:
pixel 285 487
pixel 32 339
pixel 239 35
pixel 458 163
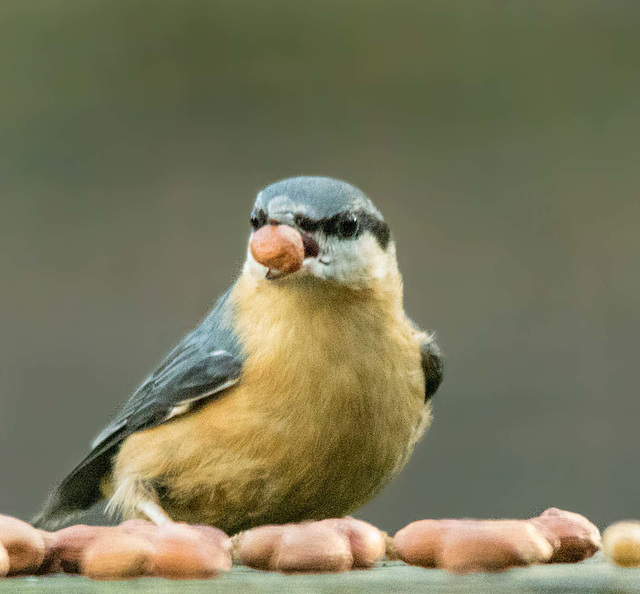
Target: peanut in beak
pixel 279 248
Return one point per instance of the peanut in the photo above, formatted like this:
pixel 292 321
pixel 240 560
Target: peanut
pixel 117 555
pixel 573 537
pixel 23 543
pixel 278 247
pixel 190 552
pixel 325 546
pixel 622 543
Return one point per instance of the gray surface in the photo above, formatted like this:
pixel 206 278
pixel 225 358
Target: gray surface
pixel 588 577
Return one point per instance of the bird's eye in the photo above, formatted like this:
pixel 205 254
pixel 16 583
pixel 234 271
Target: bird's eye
pixel 259 219
pixel 307 224
pixel 348 225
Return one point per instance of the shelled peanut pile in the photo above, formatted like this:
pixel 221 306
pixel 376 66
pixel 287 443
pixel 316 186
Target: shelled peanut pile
pixel 138 548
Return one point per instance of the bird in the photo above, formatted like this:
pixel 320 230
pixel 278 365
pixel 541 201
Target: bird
pixel 299 396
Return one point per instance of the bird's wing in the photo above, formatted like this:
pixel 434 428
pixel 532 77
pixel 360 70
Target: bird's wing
pixel 432 365
pixel 431 360
pixel 205 363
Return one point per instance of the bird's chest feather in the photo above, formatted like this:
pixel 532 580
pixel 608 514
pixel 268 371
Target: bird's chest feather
pixel 335 383
pixel 329 406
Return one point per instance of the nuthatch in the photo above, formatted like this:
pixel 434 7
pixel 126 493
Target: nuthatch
pixel 298 397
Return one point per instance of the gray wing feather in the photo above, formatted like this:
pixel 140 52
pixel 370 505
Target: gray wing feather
pixel 205 363
pixel 181 384
pixel 431 360
pixel 432 366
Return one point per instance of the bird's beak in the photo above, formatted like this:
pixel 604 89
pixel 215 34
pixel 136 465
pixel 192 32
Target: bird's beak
pixel 279 248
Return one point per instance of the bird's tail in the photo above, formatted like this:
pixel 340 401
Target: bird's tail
pixel 96 515
pixel 78 499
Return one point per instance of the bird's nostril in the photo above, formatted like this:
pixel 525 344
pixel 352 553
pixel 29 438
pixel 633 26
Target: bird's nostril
pixel 311 247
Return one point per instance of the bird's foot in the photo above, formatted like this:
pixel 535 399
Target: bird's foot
pixel 154 512
pixel 134 498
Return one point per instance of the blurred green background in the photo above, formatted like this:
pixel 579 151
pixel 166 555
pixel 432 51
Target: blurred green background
pixel 500 139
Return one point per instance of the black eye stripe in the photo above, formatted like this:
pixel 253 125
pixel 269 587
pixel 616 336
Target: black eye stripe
pixel 258 219
pixel 306 223
pixel 348 226
pixel 378 228
pixel 332 226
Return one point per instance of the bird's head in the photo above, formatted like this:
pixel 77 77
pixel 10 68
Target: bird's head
pixel 309 229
